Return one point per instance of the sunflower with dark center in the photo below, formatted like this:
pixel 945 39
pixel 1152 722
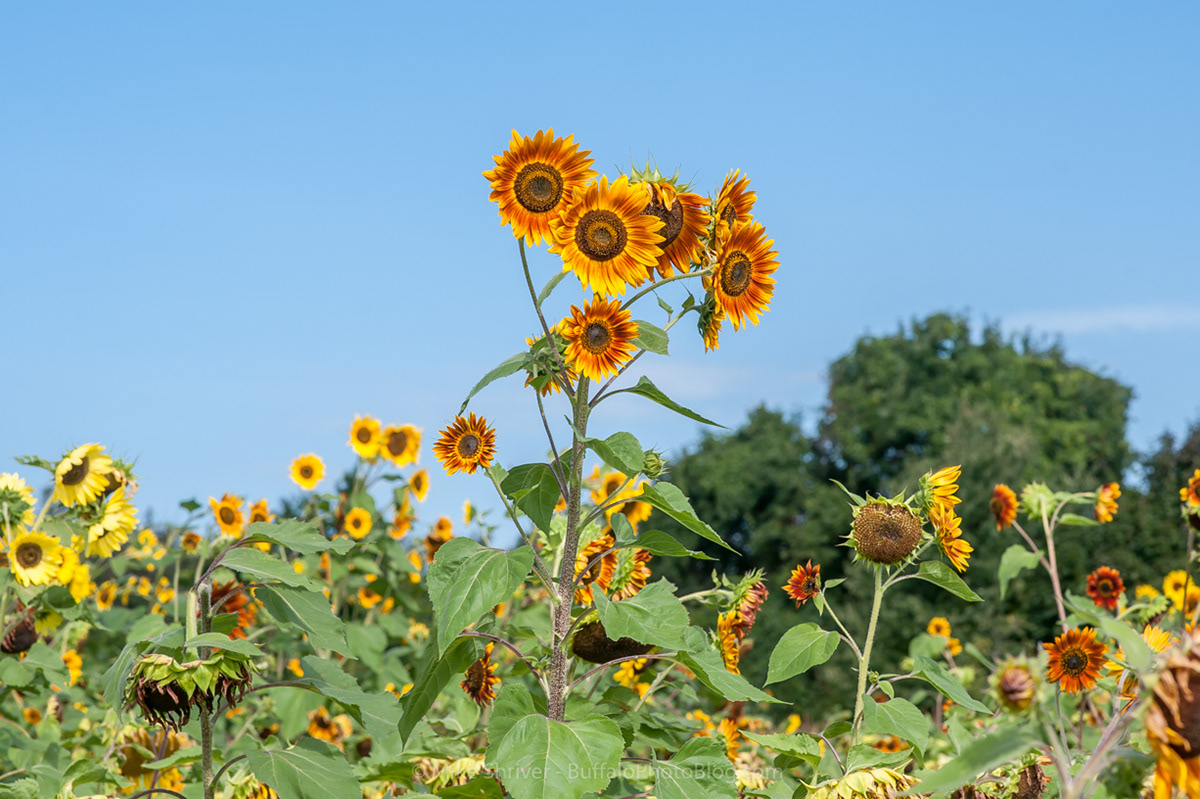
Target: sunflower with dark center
pixel 357 523
pixel 599 338
pixel 466 445
pixel 1105 587
pixel 684 219
pixel 436 540
pixel 307 471
pixel 885 533
pixel 331 729
pixel 259 512
pixel 481 676
pixel 1004 505
pixel 228 513
pixel 1106 501
pixel 742 282
pixel 82 475
pixel 734 203
pixel 939 625
pixel 534 180
pixel 418 484
pixel 1173 722
pixel 1076 658
pixel 605 239
pixel 20 636
pixel 36 558
pixel 365 436
pixel 804 584
pixel 595 566
pixel 400 444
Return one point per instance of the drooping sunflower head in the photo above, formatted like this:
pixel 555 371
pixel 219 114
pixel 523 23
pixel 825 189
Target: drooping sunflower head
pixel 82 475
pixel 708 322
pixel 938 489
pixel 742 281
pixel 734 202
pixel 684 217
pixel 1173 721
pixel 885 532
pixel 748 597
pixel 1004 505
pixel 534 180
pixel 1105 587
pixel 20 635
pixel 605 239
pixel 599 338
pixel 357 523
pixel 307 471
pixel 16 501
pixel 869 783
pixel 728 624
pixel 418 484
pixel 480 677
pixel 466 445
pixel 1106 501
pixel 591 643
pixel 1076 658
pixel 35 558
pixel 365 436
pixel 112 530
pixel 804 584
pixel 400 445
pixel 228 513
pixel 1014 685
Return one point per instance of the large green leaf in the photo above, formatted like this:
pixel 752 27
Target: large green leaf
pixel 940 574
pixel 653 615
pixel 646 388
pixel 706 663
pixel 801 745
pixel 470 586
pixel 49 662
pixel 249 560
pixel 379 713
pixel 932 672
pixel 699 770
pixel 543 759
pixel 433 678
pixel 513 704
pixel 507 367
pixel 308 610
pixel 1077 520
pixel 1016 559
pixel 800 648
pixel 621 451
pixel 984 754
pixel 311 769
pixel 896 717
pixel 295 535
pixel 534 489
pixel 651 338
pixel 671 501
pixel 656 542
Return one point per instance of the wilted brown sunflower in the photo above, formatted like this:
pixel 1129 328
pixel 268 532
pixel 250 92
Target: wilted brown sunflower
pixel 534 180
pixel 466 445
pixel 1173 723
pixel 885 532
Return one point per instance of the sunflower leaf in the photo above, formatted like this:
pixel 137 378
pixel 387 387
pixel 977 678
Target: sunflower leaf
pixel 665 306
pixel 470 581
pixel 437 672
pixel 656 542
pixel 705 662
pixel 671 501
pixel 896 717
pixel 539 758
pixel 654 615
pixel 651 338
pixel 238 646
pixel 646 388
pixel 984 754
pixel 936 675
pixel 259 564
pixel 1016 559
pixel 310 611
pixel 311 769
pixel 1077 520
pixel 298 536
pixel 802 647
pixel 509 366
pixel 379 713
pixel 621 451
pixel 550 286
pixel 940 574
pixel 699 770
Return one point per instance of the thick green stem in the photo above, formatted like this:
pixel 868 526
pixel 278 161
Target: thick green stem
pixel 206 726
pixel 557 701
pixel 865 660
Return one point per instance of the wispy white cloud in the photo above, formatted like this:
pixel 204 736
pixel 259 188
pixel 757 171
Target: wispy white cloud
pixel 1160 318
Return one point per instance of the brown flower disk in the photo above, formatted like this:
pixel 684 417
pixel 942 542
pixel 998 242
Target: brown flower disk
pixel 886 534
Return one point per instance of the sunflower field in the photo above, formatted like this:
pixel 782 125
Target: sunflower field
pixel 342 646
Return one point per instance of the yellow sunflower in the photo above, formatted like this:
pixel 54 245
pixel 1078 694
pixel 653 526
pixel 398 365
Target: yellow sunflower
pixel 228 513
pixel 20 499
pixel 599 338
pixel 113 529
pixel 307 471
pixel 365 436
pixel 466 445
pixel 332 730
pixel 401 524
pixel 684 219
pixel 82 475
pixel 949 536
pixel 939 625
pixel 259 512
pixel 400 445
pixel 535 179
pixel 1176 586
pixel 1171 723
pixel 741 281
pixel 418 484
pixel 712 315
pixel 734 202
pixel 727 626
pixel 74 575
pixel 358 523
pixel 940 487
pixel 106 595
pixel 74 664
pixel 1157 639
pixel 1189 494
pixel 605 239
pixel 1106 501
pixel 35 558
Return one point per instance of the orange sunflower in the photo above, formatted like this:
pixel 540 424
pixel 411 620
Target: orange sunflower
pixel 684 219
pixel 946 525
pixel 1076 658
pixel 400 444
pixel 1191 493
pixel 605 239
pixel 228 513
pixel 259 512
pixel 466 445
pixel 727 626
pixel 365 437
pixel 598 574
pixel 735 201
pixel 741 281
pixel 1105 587
pixel 534 180
pixel 940 487
pixel 481 676
pixel 1106 501
pixel 804 584
pixel 599 338
pixel 239 601
pixel 1004 505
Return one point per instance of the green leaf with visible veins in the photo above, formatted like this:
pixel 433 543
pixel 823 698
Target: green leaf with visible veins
pixel 653 615
pixel 699 770
pixel 467 587
pixel 543 759
pixel 311 769
pixel 308 610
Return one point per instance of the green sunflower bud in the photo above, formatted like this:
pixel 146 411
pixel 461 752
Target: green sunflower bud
pixel 654 464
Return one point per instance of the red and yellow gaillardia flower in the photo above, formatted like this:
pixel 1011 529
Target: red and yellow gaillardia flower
pixel 1106 501
pixel 259 512
pixel 481 676
pixel 307 471
pixel 734 203
pixel 534 180
pixel 1004 505
pixel 35 558
pixel 599 338
pixel 605 239
pixel 948 533
pixel 742 281
pixel 684 219
pixel 400 445
pixel 466 445
pixel 1105 587
pixel 82 475
pixel 804 584
pixel 228 513
pixel 114 527
pixel 365 436
pixel 357 523
pixel 1076 658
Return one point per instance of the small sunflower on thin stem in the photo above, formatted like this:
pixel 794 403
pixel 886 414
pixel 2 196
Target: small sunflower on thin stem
pixel 36 558
pixel 259 512
pixel 1190 494
pixel 804 584
pixel 948 533
pixel 466 445
pixel 481 676
pixel 1076 658
pixel 114 527
pixel 599 338
pixel 1004 505
pixel 734 202
pixel 365 436
pixel 1106 501
pixel 1105 587
pixel 418 484
pixel 228 513
pixel 307 471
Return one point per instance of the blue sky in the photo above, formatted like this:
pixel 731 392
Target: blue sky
pixel 225 229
